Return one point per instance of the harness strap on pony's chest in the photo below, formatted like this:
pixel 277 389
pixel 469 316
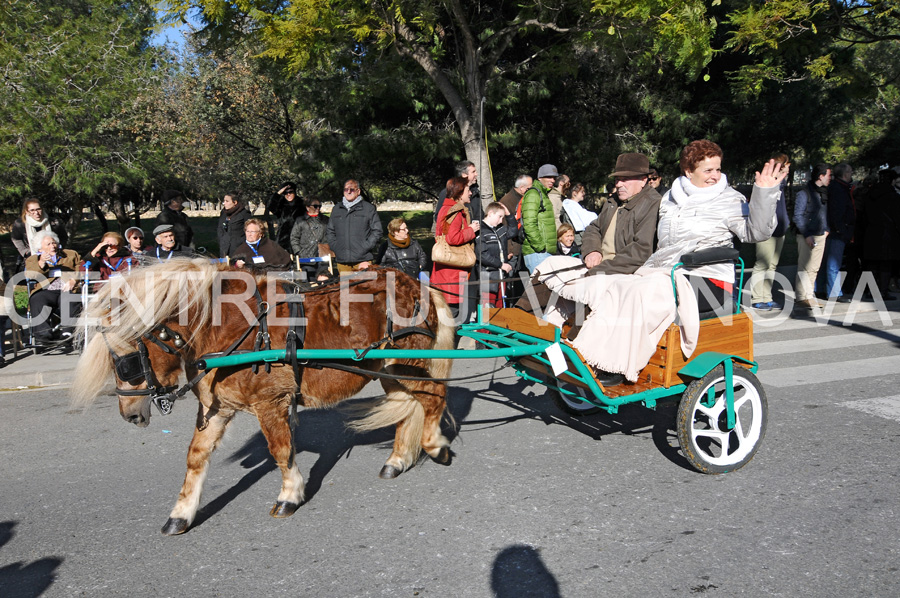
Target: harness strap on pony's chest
pixel 262 337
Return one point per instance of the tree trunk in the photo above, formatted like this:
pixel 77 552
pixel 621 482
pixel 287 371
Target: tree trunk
pixel 118 208
pixel 101 218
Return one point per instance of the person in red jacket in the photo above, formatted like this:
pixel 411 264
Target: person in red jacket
pixel 455 222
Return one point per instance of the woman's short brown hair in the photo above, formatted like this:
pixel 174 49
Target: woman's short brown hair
pixel 120 240
pixel 696 152
pixel 455 187
pixel 394 225
pixel 564 228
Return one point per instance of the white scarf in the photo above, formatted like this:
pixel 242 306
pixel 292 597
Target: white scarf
pixel 685 193
pixel 32 227
pixel 350 204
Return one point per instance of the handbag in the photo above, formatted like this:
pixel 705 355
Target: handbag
pixel 458 256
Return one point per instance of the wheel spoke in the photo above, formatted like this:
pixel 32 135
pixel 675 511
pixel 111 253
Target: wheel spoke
pixel 720 437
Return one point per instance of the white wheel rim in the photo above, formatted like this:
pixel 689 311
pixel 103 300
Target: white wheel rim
pixel 709 437
pixel 575 403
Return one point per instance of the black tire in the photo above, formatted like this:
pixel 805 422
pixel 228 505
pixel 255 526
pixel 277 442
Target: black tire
pixel 571 405
pixel 702 432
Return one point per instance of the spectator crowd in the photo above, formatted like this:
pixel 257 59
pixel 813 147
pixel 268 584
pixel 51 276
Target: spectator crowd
pixel 842 229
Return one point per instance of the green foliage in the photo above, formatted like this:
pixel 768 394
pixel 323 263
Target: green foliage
pixel 73 68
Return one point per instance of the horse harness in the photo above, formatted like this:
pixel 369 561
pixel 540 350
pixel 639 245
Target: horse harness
pixel 136 365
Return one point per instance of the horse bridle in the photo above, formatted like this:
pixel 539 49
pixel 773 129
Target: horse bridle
pixel 136 365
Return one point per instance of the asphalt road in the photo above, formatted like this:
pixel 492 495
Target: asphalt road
pixel 536 503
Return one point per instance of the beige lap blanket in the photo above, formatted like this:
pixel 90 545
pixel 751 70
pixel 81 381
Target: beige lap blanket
pixel 630 313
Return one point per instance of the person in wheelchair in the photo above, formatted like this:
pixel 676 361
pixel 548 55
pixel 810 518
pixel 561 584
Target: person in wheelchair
pixel 629 313
pixel 55 272
pixel 111 257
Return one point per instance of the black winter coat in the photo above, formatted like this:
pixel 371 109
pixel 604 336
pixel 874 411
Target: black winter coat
pixel 231 231
pixel 281 215
pixel 306 235
pixel 17 233
pixel 353 234
pixel 410 259
pixel 491 246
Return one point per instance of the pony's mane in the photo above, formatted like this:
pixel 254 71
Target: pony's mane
pixel 129 307
pixel 170 290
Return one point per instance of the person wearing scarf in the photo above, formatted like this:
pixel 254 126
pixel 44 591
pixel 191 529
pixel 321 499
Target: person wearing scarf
pixel 258 252
pixel 402 252
pixel 354 230
pixel 231 224
pixel 31 221
pixel 699 212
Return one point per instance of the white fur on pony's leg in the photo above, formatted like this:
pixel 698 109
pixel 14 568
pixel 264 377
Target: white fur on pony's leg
pixel 292 486
pixel 202 446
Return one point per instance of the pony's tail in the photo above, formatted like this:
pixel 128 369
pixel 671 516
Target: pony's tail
pixel 445 337
pixel 397 406
pixel 92 372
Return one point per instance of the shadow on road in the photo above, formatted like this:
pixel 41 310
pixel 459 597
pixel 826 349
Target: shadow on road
pixel 533 401
pixel 18 580
pixel 324 432
pixel 519 572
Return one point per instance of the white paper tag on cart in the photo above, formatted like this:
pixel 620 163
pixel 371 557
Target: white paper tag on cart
pixel 557 359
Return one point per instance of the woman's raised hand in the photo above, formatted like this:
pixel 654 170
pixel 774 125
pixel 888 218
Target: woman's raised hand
pixel 772 174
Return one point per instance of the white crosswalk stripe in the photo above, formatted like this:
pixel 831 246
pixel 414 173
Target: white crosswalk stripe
pixel 829 372
pixel 823 343
pixel 887 407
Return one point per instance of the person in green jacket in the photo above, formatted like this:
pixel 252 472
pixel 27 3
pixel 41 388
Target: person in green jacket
pixel 538 219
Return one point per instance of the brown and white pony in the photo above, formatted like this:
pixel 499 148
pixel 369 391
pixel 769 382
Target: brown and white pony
pixel 169 315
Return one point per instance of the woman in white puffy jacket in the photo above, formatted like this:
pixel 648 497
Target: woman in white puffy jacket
pixel 701 211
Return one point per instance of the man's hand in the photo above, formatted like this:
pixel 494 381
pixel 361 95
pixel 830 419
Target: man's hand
pixel 363 265
pixel 593 259
pixel 239 263
pixel 506 268
pixel 811 241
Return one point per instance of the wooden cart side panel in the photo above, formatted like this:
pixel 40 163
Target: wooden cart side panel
pixel 732 335
pixel 522 321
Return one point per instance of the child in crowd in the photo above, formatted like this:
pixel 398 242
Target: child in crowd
pixel 565 241
pixel 491 248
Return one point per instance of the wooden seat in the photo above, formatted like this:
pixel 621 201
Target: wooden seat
pixel 732 334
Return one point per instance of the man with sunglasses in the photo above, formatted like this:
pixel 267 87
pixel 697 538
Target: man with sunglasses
pixel 354 230
pixel 308 233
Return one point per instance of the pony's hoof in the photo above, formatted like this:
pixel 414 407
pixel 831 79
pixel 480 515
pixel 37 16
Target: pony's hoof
pixel 444 457
pixel 389 472
pixel 175 526
pixel 283 509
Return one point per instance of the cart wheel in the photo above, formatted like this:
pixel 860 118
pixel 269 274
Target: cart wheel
pixel 702 431
pixel 570 404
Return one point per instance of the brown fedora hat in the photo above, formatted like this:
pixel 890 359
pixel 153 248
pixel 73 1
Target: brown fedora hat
pixel 632 165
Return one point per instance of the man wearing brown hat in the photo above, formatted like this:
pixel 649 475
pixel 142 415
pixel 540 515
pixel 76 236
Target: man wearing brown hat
pixel 621 239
